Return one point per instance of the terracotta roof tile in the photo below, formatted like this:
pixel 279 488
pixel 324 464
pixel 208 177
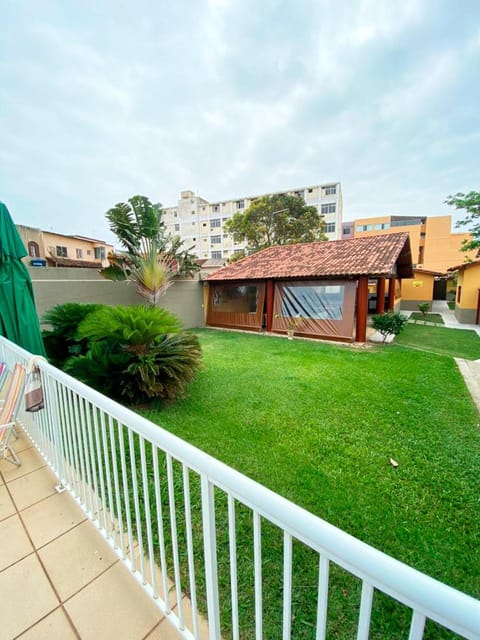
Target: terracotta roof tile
pixel 372 255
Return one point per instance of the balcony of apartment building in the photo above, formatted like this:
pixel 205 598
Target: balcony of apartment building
pixel 114 528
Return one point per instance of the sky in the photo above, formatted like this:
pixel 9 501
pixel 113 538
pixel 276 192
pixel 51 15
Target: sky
pixel 104 99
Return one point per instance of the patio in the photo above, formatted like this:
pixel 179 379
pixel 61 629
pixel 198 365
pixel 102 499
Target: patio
pixel 58 578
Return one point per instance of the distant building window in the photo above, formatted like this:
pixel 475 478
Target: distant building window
pixel 360 228
pixel 237 251
pixel 79 253
pixel 330 190
pixel 99 253
pixel 61 252
pixel 33 249
pixel 174 214
pixel 215 222
pixel 329 208
pixel 224 219
pixel 216 255
pixel 386 225
pixel 177 227
pixel 193 213
pixel 368 227
pixel 216 239
pixel 330 227
pixel 216 207
pixel 346 231
pixel 310 190
pixel 240 204
pixel 377 227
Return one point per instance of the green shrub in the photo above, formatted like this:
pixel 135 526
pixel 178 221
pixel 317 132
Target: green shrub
pixel 424 308
pixel 389 323
pixel 136 353
pixel 61 341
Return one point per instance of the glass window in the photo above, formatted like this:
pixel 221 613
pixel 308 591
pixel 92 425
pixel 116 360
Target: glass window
pixel 216 255
pixel 331 190
pixel 177 227
pixel 99 253
pixel 329 208
pixel 360 228
pixel 240 204
pixel 230 298
pixel 330 227
pixel 79 253
pixel 216 239
pixel 33 249
pixel 368 227
pixel 377 227
pixel 215 222
pixel 61 252
pixel 319 302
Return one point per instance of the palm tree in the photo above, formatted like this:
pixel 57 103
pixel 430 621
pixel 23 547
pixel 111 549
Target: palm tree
pixel 151 256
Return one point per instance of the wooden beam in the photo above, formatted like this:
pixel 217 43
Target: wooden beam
pixel 362 309
pixel 269 293
pixel 391 294
pixel 380 308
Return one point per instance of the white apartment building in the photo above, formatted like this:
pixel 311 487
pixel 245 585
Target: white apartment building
pixel 200 223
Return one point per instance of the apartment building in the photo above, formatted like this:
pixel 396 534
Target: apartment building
pixel 46 248
pixel 200 223
pixel 434 246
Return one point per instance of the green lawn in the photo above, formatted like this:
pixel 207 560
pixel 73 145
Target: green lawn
pixel 428 317
pixel 461 343
pixel 318 424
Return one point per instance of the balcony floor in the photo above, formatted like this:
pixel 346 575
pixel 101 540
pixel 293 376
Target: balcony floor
pixel 59 579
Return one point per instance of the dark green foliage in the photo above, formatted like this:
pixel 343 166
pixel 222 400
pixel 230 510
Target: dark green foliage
pixel 61 341
pixel 389 323
pixel 135 328
pixel 424 308
pixel 136 354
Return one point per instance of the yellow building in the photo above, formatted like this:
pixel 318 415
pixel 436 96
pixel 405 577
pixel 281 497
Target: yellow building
pixel 58 250
pixel 467 301
pixel 434 246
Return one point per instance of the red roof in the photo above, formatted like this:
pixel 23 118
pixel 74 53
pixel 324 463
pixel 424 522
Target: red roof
pixel 376 256
pixel 465 265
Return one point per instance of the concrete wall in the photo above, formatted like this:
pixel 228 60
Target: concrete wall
pixel 468 289
pixel 417 290
pixel 55 286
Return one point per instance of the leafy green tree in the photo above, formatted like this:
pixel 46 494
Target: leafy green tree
pixel 469 202
pixel 277 219
pixel 151 256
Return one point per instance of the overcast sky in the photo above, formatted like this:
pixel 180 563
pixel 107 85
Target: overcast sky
pixel 101 100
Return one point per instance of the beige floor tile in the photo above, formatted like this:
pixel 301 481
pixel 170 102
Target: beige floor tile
pixel 76 558
pixel 26 592
pixel 21 443
pixel 7 508
pixel 56 626
pixel 30 459
pixel 14 542
pixel 32 487
pixel 51 517
pixel 113 607
pixel 164 631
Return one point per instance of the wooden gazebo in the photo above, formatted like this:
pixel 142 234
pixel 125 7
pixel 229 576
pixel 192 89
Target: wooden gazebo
pixel 320 287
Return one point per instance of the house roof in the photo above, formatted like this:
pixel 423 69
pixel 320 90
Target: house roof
pixel 465 265
pixel 376 256
pixel 70 262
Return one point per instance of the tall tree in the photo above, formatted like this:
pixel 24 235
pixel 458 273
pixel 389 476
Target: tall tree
pixel 469 202
pixel 152 256
pixel 277 219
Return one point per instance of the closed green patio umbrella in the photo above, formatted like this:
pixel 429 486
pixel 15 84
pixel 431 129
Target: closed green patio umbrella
pixel 18 316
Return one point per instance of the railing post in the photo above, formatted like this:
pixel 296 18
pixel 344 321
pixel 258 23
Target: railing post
pixel 210 550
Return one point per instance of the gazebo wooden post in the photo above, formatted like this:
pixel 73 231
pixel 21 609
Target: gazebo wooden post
pixel 391 294
pixel 380 308
pixel 362 309
pixel 269 303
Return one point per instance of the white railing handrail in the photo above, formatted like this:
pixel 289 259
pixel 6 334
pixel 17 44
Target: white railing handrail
pixel 436 600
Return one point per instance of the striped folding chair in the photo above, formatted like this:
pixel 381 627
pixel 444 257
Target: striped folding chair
pixel 8 410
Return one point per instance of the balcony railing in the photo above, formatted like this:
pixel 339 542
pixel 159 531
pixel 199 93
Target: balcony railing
pixel 140 485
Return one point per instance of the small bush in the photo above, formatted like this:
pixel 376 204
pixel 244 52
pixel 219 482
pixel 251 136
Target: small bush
pixel 61 341
pixel 424 308
pixel 136 353
pixel 389 323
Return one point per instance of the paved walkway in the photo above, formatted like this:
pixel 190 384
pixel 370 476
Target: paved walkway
pixel 59 579
pixel 441 307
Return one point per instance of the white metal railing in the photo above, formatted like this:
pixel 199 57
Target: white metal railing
pixel 141 486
